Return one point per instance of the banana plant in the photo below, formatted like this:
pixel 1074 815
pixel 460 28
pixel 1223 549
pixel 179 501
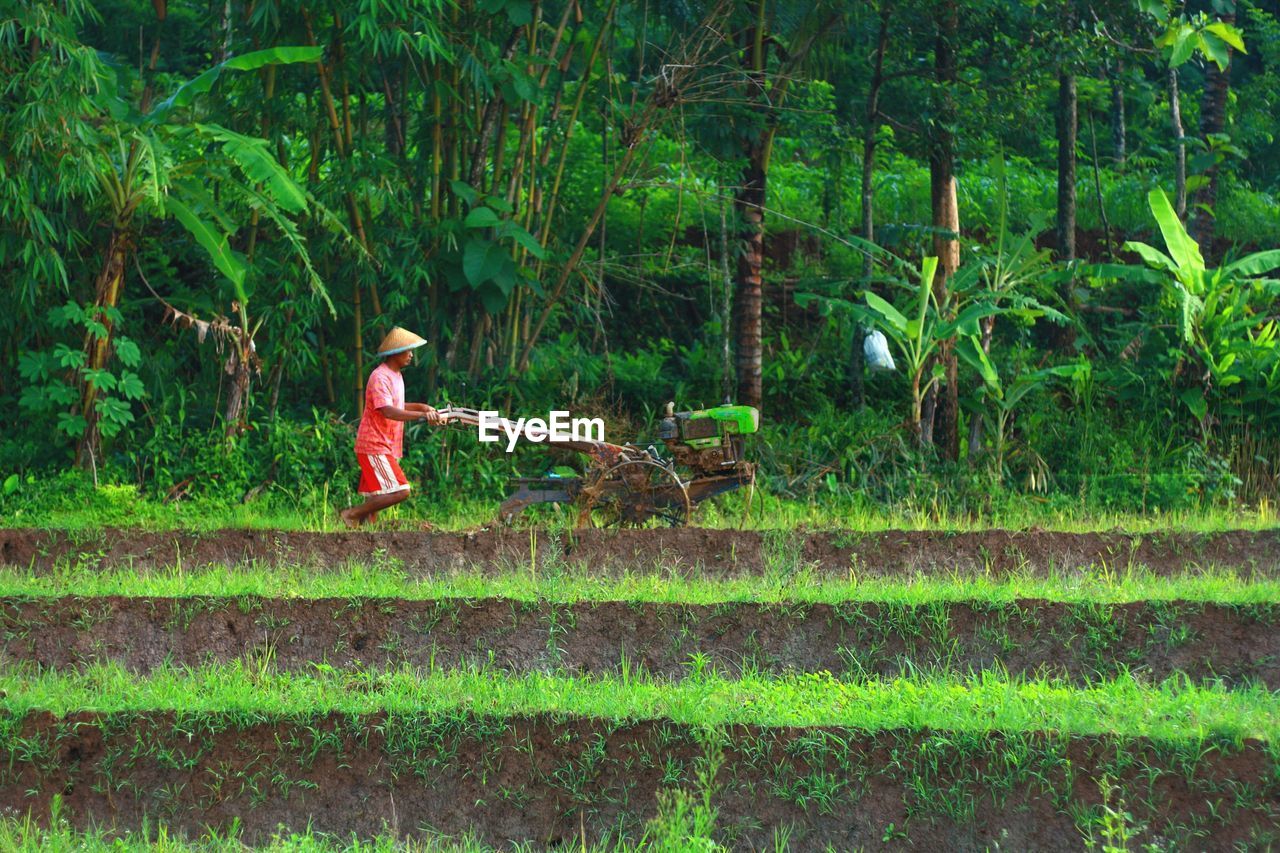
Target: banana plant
pixel 153 165
pixel 1219 312
pixel 1005 397
pixel 1012 270
pixel 919 338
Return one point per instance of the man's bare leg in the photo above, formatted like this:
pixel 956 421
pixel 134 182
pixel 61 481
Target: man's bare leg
pixel 356 515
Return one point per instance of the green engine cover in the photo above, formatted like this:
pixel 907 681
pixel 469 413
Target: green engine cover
pixel 735 420
pixel 706 428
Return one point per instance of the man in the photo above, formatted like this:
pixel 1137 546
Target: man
pixel 380 439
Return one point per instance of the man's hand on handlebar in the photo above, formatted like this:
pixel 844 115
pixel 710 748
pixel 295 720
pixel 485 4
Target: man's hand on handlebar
pixel 422 412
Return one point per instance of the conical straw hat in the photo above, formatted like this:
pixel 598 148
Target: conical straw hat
pixel 398 340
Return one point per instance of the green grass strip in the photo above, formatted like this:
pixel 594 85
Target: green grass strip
pixel 983 702
pixel 26 835
pixel 563 585
pixel 315 510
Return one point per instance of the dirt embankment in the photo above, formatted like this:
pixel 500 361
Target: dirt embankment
pixel 853 639
pixel 553 781
pixel 687 551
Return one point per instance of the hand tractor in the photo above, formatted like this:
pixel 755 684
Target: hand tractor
pixel 626 485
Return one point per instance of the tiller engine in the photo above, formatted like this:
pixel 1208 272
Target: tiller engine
pixel 626 485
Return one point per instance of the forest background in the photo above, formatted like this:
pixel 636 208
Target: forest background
pixel 1062 215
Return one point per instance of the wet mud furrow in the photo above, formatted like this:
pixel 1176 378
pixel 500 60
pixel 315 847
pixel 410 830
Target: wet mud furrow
pixel 557 781
pixel 1078 641
pixel 688 551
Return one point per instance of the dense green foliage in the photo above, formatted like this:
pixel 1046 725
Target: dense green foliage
pixel 211 213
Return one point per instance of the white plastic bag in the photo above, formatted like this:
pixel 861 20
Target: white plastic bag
pixel 876 350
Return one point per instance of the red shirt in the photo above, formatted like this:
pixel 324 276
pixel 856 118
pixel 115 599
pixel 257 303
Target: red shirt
pixel 379 435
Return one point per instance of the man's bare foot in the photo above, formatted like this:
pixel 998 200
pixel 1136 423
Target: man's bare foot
pixel 347 519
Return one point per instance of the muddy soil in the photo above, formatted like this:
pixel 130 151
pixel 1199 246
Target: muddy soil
pixel 553 781
pixel 685 552
pixel 856 640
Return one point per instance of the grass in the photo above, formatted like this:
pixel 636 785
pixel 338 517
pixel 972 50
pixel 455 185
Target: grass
pixel 768 512
pixel 25 835
pixel 564 584
pixel 124 506
pixel 986 702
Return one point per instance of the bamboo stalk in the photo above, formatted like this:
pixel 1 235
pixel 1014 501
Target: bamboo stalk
pixel 549 215
pixel 358 347
pixel 565 273
pixel 326 92
pixel 341 132
pixel 437 145
pixel 657 104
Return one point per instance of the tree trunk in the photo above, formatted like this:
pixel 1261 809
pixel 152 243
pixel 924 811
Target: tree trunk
pixel 1175 118
pixel 856 360
pixel 726 309
pixel 1213 121
pixel 749 201
pixel 224 49
pixel 238 367
pixel 1118 130
pixel 1066 123
pixel 1097 186
pixel 107 289
pixel 277 376
pixel 869 141
pixel 926 411
pixel 1067 126
pixel 480 328
pixel 944 425
pixel 489 121
pixel 148 90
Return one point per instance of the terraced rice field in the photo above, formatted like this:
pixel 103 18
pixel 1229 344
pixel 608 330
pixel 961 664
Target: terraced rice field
pixel 841 691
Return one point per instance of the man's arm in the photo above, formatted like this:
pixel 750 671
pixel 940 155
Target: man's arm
pixel 411 412
pixel 428 413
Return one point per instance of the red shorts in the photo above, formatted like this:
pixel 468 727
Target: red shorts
pixel 380 475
